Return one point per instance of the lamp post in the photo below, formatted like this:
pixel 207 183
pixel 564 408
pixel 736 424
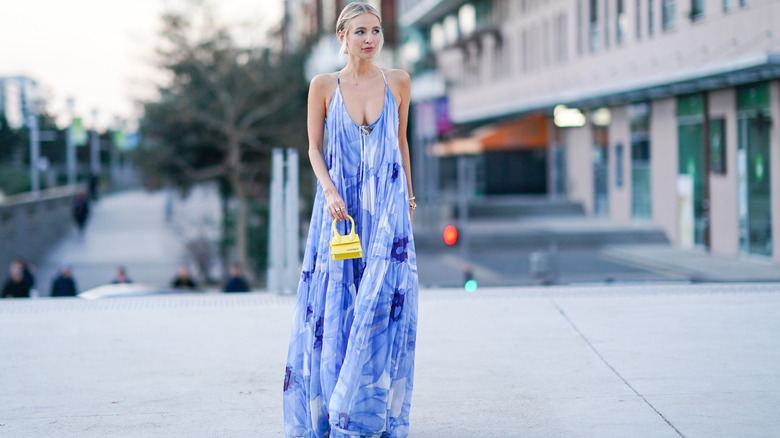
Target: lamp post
pixel 94 147
pixel 35 153
pixel 70 148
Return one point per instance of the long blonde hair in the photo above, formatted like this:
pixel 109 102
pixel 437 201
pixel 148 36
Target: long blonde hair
pixel 350 12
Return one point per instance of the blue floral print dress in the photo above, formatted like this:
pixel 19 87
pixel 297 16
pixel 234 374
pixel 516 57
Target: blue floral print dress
pixel 350 363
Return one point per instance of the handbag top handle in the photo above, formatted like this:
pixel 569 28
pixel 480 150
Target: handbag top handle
pixel 337 237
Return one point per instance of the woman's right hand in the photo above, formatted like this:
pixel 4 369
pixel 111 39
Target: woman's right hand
pixel 337 208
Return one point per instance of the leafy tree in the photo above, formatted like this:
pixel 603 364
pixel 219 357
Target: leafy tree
pixel 224 110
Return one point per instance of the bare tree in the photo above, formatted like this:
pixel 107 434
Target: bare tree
pixel 223 111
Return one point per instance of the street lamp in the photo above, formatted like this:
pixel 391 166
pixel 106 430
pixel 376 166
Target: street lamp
pixel 70 147
pixel 35 152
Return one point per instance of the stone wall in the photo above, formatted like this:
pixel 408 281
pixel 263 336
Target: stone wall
pixel 31 226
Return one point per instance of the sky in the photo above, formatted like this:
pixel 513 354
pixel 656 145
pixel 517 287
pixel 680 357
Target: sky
pixel 100 52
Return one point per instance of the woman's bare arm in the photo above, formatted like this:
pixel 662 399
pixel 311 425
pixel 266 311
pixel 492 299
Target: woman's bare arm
pixel 315 120
pixel 405 92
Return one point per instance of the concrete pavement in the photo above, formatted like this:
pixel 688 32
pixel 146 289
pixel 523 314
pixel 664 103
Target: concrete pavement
pixel 640 361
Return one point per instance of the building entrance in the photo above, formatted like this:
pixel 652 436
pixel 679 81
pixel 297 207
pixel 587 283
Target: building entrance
pixel 600 157
pixel 753 170
pixel 639 117
pixel 690 159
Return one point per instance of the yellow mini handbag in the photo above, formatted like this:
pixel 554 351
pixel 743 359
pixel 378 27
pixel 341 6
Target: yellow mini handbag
pixel 347 246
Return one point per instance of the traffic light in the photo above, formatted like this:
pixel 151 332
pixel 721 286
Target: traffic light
pixel 469 284
pixel 450 235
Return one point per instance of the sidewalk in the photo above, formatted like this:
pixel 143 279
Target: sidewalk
pixel 130 229
pixel 622 361
pixel 589 250
pixel 695 265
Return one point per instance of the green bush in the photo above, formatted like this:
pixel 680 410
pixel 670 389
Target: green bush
pixel 13 180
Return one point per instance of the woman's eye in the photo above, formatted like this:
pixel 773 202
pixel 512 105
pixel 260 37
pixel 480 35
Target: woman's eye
pixel 376 31
pixel 358 32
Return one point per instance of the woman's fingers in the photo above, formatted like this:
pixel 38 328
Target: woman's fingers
pixel 337 212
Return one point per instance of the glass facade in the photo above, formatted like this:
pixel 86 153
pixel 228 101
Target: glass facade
pixel 641 203
pixel 600 157
pixel 690 158
pixel 753 169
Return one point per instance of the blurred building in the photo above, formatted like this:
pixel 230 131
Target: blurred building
pixel 19 97
pixel 652 110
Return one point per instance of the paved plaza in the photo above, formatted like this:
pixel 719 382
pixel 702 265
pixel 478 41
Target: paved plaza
pixel 607 361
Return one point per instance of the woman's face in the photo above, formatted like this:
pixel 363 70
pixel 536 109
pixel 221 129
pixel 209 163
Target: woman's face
pixel 363 36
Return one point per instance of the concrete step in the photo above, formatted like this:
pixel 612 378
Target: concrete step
pixel 522 206
pixel 541 232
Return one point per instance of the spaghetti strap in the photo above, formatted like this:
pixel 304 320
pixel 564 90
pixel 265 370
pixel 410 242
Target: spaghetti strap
pixel 383 74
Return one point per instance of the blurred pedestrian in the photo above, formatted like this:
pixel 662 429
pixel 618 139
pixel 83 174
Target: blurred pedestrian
pixel 64 285
pixel 81 210
pixel 94 185
pixel 236 282
pixel 27 271
pixel 121 276
pixel 183 280
pixel 15 286
pixel 168 205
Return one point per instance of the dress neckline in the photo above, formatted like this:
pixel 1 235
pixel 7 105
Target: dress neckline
pixel 368 127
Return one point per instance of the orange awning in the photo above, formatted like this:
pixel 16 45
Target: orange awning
pixel 529 132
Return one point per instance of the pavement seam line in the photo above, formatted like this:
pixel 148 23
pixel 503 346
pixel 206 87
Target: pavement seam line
pixel 604 360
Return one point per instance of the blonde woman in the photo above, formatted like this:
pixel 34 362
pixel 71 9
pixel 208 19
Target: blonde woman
pixel 351 357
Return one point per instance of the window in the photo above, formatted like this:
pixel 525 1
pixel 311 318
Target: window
pixel 650 17
pixel 620 22
pixel 638 10
pixel 667 14
pixel 483 11
pixel 524 44
pixel 561 50
pixel 546 42
pixel 438 40
pixel 697 9
pixel 593 40
pixel 451 31
pixel 727 5
pixel 606 23
pixel 718 146
pixel 467 18
pixel 742 3
pixel 579 26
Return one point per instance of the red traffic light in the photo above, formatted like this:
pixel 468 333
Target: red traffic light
pixel 450 235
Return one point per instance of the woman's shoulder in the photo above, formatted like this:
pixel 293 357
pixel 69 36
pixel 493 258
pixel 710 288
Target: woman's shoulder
pixel 324 81
pixel 399 81
pixel 397 75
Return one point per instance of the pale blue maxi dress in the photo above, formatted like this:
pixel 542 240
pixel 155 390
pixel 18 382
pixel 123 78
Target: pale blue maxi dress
pixel 350 363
